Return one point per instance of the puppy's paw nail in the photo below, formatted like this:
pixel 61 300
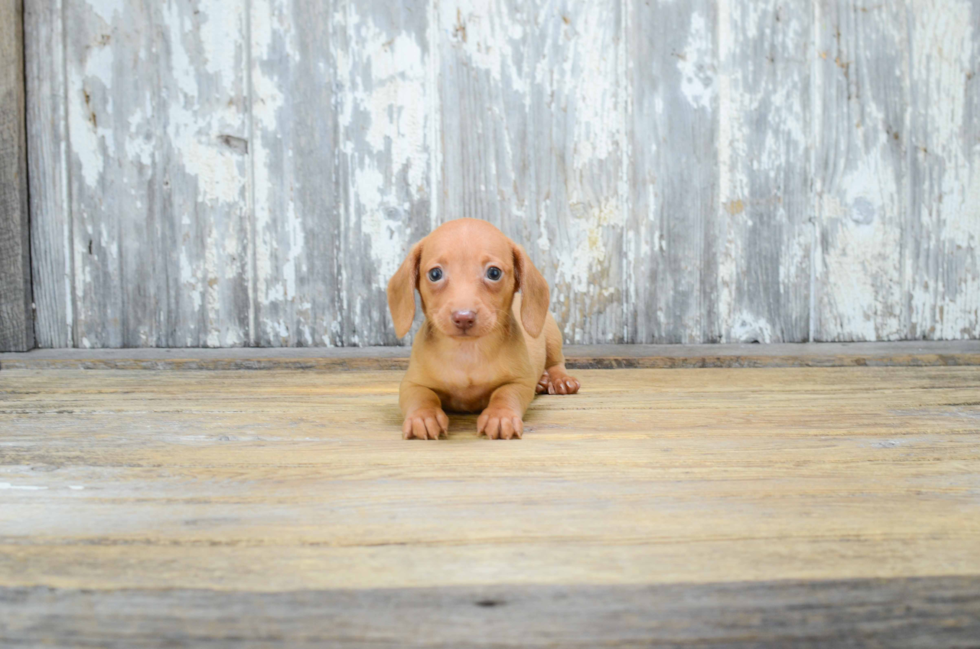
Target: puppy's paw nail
pixel 500 424
pixel 564 385
pixel 425 424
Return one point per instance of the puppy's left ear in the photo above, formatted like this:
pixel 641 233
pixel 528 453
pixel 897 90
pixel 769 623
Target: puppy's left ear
pixel 535 296
pixel 401 291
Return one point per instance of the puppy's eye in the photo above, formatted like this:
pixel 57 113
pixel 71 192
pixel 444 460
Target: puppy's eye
pixel 435 274
pixel 494 274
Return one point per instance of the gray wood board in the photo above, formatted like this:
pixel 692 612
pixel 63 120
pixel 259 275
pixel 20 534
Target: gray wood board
pixel 532 126
pixel 16 313
pixel 674 178
pixel 726 171
pixel 932 612
pixel 896 354
pixel 48 141
pixel 295 162
pixel 385 122
pixel 757 261
pixel 861 170
pixel 941 240
pixel 157 112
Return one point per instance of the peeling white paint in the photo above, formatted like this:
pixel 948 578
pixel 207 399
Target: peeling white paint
pixel 748 328
pixel 126 126
pixel 397 90
pixel 578 265
pixel 194 125
pixel 433 122
pixel 140 145
pixel 731 144
pixel 212 282
pixel 189 279
pixel 489 32
pixel 862 194
pixel 696 64
pixel 594 67
pixel 107 10
pixel 567 188
pixel 92 140
pixel 946 305
pixel 760 172
pixel 863 265
pixel 388 106
pixel 267 103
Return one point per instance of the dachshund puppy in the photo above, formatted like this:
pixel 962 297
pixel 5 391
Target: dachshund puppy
pixel 483 347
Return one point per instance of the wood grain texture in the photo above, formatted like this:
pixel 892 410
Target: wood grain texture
pixel 532 115
pixel 296 173
pixel 483 115
pixel 861 170
pixel 758 243
pixel 681 494
pixel 942 238
pixel 576 55
pixel 674 182
pixel 385 122
pixel 157 98
pixel 16 312
pixel 927 612
pixel 50 205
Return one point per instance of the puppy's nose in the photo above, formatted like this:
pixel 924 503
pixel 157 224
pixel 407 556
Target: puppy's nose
pixel 464 319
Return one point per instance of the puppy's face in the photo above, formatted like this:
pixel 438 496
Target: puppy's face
pixel 467 279
pixel 467 272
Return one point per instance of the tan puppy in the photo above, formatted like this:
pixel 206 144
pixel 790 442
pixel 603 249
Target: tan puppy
pixel 483 347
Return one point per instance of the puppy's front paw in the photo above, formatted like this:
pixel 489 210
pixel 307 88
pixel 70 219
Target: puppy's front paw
pixel 427 423
pixel 500 423
pixel 543 383
pixel 556 382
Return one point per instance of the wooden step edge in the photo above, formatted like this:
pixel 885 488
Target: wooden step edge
pixel 889 354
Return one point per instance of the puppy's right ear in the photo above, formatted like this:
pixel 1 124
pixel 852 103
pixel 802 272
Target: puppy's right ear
pixel 401 291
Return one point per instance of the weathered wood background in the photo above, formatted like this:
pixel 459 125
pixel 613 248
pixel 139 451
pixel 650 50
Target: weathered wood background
pixel 251 172
pixel 16 319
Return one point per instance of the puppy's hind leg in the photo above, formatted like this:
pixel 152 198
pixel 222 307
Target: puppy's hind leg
pixel 556 379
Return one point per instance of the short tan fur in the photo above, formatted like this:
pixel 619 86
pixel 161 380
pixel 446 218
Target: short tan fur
pixel 488 343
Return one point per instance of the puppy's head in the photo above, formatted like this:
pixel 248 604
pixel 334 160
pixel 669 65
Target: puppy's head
pixel 467 272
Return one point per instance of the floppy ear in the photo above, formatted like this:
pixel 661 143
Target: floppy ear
pixel 401 291
pixel 535 296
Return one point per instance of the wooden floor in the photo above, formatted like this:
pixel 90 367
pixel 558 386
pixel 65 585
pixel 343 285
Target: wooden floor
pixel 710 507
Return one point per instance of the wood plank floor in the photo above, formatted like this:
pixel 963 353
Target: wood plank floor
pixel 580 357
pixel 717 507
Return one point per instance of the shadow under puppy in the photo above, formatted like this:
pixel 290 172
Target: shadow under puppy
pixel 483 347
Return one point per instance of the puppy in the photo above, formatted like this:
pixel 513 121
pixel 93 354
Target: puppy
pixel 483 347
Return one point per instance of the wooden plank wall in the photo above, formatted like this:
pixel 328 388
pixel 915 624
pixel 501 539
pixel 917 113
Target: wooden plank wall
pixel 16 313
pixel 251 172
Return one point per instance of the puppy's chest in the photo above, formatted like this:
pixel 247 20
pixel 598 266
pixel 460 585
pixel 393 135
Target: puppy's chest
pixel 466 384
